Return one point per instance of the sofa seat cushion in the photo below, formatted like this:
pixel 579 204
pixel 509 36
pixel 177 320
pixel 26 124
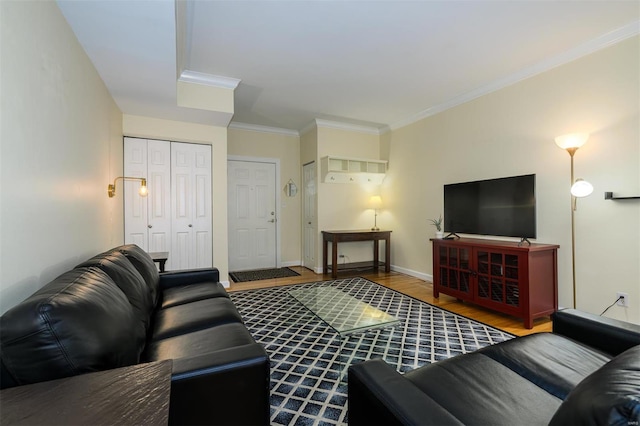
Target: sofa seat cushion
pixel 174 296
pixel 128 279
pixel 480 391
pixel 553 362
pixel 78 323
pixel 199 342
pixel 145 266
pixel 609 396
pixel 194 316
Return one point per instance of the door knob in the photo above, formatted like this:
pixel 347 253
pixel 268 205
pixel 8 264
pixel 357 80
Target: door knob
pixel 149 226
pixel 190 226
pixel 309 223
pixel 272 220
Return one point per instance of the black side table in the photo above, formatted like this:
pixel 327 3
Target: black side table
pixel 160 257
pixel 133 395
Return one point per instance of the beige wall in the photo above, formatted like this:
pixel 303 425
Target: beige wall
pixel 346 205
pixel 512 132
pixel 285 148
pixel 61 145
pixel 154 128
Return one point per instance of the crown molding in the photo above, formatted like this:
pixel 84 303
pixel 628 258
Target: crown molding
pixel 219 81
pixel 263 129
pixel 346 126
pixel 608 39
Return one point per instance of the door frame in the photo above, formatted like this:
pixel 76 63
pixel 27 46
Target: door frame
pixel 269 160
pixel 315 268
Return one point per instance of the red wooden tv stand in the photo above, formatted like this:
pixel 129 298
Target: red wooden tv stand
pixel 519 280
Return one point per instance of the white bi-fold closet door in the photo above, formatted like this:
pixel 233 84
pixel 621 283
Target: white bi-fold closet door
pixel 176 216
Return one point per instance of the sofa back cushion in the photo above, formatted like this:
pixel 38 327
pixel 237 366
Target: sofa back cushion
pixel 610 395
pixel 128 279
pixel 78 323
pixel 145 266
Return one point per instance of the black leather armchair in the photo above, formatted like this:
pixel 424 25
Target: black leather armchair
pixel 586 372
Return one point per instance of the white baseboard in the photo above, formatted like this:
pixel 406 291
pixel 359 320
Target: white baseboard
pixel 290 263
pixel 410 272
pixel 225 284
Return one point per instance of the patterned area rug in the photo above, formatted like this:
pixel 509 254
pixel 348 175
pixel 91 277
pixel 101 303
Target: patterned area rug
pixel 262 274
pixel 307 357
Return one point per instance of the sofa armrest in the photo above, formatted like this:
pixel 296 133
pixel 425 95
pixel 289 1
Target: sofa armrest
pixel 190 276
pixel 214 388
pixel 606 334
pixel 379 395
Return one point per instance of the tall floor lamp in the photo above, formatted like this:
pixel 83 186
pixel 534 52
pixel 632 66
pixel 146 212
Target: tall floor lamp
pixel 579 188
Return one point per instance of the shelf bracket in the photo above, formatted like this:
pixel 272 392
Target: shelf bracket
pixel 609 196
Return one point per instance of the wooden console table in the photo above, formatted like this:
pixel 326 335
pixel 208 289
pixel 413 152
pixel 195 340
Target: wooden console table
pixel 335 237
pixel 138 394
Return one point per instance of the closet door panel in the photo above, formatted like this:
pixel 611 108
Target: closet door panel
pixel 159 199
pixel 176 216
pixel 135 206
pixel 191 205
pixel 203 240
pixel 181 193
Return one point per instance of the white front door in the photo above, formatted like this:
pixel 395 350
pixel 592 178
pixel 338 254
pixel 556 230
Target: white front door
pixel 252 215
pixel 310 223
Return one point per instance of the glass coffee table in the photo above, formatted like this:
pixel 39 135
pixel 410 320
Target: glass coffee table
pixel 342 312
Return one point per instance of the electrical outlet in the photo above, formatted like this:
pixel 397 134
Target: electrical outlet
pixel 624 299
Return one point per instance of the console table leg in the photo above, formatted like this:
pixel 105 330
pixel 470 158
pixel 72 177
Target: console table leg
pixel 334 259
pixel 325 269
pixel 376 260
pixel 387 254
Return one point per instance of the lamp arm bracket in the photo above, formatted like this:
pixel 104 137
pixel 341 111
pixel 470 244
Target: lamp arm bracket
pixel 111 188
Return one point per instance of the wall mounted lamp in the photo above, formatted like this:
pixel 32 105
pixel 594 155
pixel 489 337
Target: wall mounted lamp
pixel 375 202
pixel 579 188
pixel 111 189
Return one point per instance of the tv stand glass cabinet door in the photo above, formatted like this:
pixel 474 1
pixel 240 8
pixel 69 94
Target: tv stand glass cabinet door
pixel 517 280
pixel 453 273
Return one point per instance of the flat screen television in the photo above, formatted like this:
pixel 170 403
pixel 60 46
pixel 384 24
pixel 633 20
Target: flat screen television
pixel 501 207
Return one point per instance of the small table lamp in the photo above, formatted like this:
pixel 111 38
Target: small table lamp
pixel 375 202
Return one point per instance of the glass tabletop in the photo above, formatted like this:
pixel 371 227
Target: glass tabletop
pixel 342 312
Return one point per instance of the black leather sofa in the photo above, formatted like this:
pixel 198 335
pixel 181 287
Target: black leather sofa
pixel 115 310
pixel 587 372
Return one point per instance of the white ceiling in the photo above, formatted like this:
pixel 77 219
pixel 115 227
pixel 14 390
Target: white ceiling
pixel 378 64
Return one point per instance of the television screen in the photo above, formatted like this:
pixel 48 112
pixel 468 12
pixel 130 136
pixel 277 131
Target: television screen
pixel 502 207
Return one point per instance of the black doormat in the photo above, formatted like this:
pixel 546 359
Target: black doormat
pixel 262 274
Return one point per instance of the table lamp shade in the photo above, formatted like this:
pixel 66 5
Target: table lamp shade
pixel 375 202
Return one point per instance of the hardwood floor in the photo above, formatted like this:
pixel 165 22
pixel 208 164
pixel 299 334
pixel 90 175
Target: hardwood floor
pixel 414 287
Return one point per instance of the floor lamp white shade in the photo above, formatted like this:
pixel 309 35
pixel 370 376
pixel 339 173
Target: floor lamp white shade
pixel 579 188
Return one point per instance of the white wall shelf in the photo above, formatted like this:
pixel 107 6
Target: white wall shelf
pixel 352 170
